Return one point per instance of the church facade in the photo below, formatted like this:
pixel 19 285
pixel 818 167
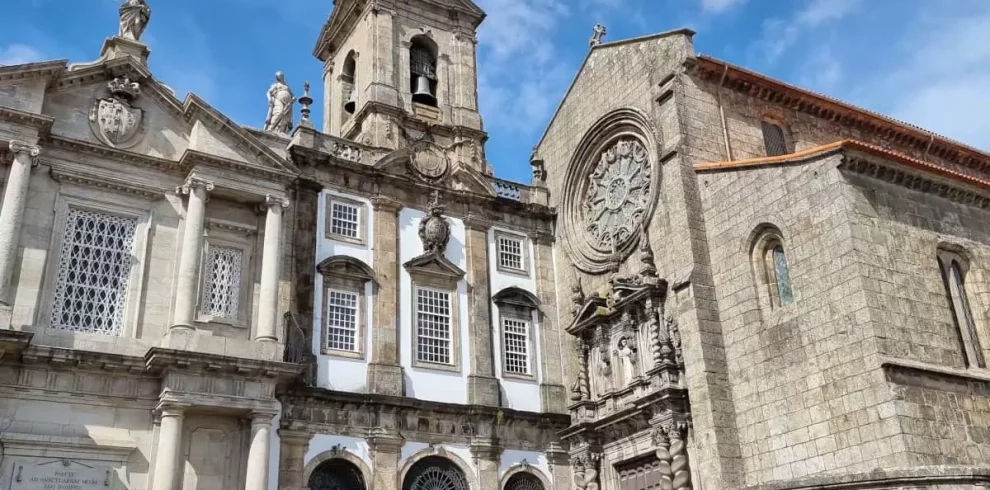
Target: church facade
pixel 714 279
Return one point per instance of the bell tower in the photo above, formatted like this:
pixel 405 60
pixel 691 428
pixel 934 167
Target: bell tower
pixel 397 71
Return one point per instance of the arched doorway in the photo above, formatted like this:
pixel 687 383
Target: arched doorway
pixel 336 474
pixel 523 481
pixel 435 473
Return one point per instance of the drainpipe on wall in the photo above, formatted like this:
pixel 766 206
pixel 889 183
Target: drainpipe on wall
pixel 721 113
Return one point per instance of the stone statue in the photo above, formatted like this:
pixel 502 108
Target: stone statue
pixel 134 17
pixel 605 371
pixel 280 100
pixel 627 360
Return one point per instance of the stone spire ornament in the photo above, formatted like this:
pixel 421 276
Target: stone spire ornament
pixel 280 101
pixel 134 18
pixel 597 35
pixel 434 230
pixel 305 101
pixel 648 269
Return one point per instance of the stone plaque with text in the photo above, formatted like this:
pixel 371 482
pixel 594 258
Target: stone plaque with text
pixel 60 474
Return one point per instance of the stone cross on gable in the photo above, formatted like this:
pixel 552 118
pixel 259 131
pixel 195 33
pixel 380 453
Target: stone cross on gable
pixel 597 35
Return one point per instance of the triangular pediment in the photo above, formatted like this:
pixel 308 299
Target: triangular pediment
pixel 434 265
pixel 593 307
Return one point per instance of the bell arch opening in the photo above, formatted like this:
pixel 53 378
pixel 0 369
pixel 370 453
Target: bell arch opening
pixel 336 474
pixel 435 473
pixel 423 70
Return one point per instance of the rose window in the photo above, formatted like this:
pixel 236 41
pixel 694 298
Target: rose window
pixel 618 194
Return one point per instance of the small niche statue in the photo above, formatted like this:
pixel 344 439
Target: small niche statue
pixel 280 100
pixel 134 18
pixel 627 360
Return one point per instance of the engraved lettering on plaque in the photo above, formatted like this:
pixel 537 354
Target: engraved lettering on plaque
pixel 60 474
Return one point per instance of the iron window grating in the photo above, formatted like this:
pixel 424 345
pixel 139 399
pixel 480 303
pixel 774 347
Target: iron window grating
pixel 222 285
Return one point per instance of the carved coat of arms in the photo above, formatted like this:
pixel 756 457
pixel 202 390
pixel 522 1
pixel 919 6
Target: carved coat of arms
pixel 114 119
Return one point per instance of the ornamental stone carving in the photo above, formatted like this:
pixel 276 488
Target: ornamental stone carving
pixel 610 191
pixel 114 119
pixel 434 230
pixel 618 193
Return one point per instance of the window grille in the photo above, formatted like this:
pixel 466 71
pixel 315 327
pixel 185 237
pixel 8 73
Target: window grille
pixel 433 326
pixel 435 473
pixel 523 481
pixel 344 220
pixel 222 284
pixel 93 271
pixel 515 338
pixel 773 139
pixel 510 253
pixel 342 318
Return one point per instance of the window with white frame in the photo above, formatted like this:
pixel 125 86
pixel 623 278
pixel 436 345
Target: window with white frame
pixel 222 281
pixel 433 326
pixel 342 320
pixel 345 219
pixel 511 252
pixel 94 268
pixel 515 343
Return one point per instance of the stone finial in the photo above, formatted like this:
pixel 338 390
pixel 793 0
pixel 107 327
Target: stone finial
pixel 649 267
pixel 434 230
pixel 280 101
pixel 597 35
pixel 305 111
pixel 134 18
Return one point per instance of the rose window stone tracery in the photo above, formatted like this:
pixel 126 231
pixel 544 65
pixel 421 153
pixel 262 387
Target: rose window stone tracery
pixel 618 194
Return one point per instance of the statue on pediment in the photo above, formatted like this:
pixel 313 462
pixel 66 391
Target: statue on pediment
pixel 134 18
pixel 280 101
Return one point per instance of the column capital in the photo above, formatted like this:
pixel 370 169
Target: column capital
pixel 294 436
pixel 171 409
pixel 382 440
pixel 485 448
pixel 20 147
pixel 477 222
pixel 192 183
pixel 385 203
pixel 262 416
pixel 275 203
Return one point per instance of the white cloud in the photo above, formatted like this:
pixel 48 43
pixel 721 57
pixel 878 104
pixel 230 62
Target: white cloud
pixel 17 54
pixel 780 35
pixel 719 6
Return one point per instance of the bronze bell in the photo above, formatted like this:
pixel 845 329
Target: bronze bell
pixel 424 91
pixel 351 105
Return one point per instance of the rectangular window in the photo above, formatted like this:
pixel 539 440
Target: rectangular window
pixel 93 271
pixel 342 320
pixel 510 253
pixel 344 219
pixel 515 339
pixel 433 326
pixel 222 281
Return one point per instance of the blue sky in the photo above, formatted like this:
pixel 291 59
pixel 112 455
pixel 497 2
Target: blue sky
pixel 923 61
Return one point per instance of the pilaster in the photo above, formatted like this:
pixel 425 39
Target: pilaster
pixel 483 387
pixel 384 372
pixel 553 394
pixel 558 462
pixel 293 446
pixel 487 455
pixel 385 448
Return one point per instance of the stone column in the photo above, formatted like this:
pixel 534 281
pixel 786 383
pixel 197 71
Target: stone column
pixel 553 394
pixel 168 456
pixel 384 372
pixel 293 445
pixel 487 456
pixel 187 283
pixel 12 214
pixel 258 454
pixel 483 387
pixel 385 449
pixel 271 259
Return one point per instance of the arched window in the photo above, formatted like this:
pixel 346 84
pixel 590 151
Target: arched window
pixel 523 481
pixel 772 268
pixel 953 268
pixel 435 473
pixel 423 71
pixel 336 474
pixel 348 79
pixel 774 140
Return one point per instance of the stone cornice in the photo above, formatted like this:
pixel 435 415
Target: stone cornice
pixel 46 70
pixel 765 88
pixel 359 415
pixel 137 159
pixel 82 360
pixel 80 176
pixel 192 158
pixel 158 360
pixel 39 122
